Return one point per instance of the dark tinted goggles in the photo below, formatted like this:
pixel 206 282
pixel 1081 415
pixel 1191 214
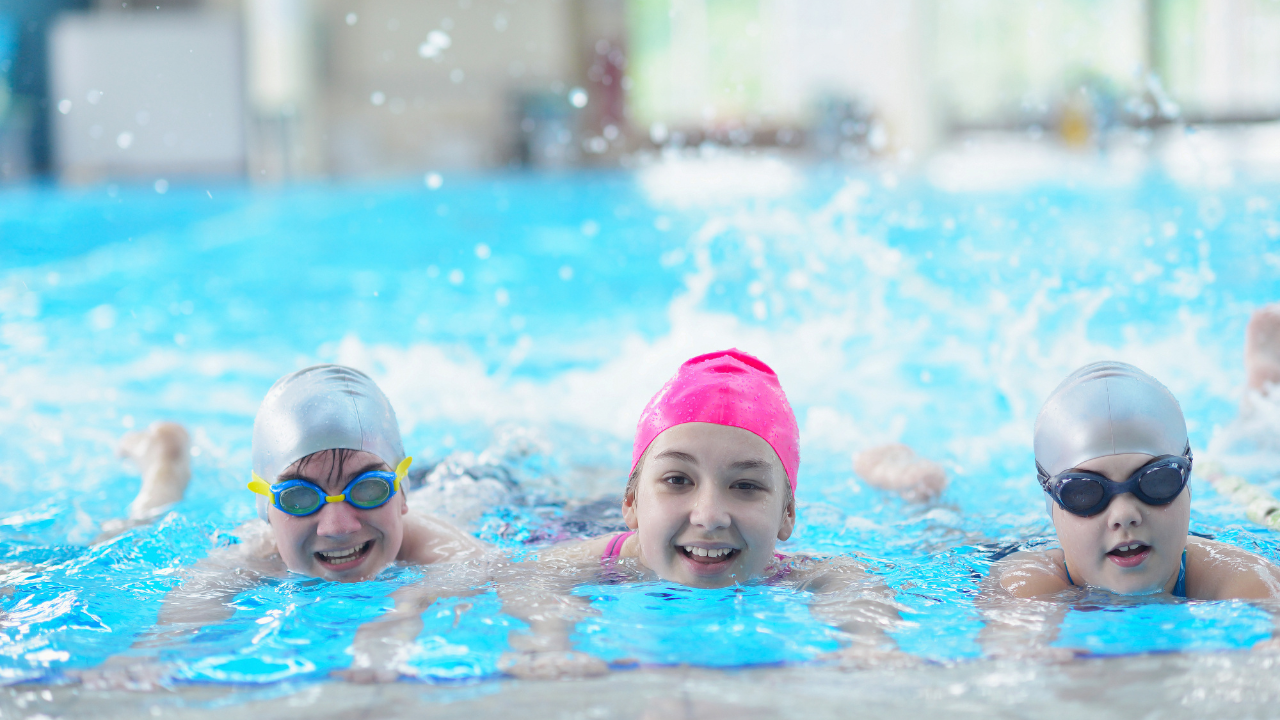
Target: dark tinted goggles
pixel 1158 482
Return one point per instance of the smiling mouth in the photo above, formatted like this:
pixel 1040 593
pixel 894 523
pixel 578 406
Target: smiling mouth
pixel 1130 554
pixel 346 558
pixel 708 556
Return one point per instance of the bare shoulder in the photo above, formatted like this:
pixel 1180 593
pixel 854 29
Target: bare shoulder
pixel 254 539
pixel 1031 574
pixel 1218 571
pixel 430 539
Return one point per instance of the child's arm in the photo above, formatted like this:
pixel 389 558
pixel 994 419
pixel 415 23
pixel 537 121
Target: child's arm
pixel 204 598
pixel 1218 571
pixel 429 539
pixel 381 646
pixel 540 592
pixel 1016 624
pixel 860 605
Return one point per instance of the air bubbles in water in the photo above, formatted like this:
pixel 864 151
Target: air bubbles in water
pixel 352 18
pixel 483 251
pixel 378 98
pixel 433 180
pixel 124 140
pixel 578 97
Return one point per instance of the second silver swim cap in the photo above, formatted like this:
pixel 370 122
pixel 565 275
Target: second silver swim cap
pixel 323 407
pixel 1107 408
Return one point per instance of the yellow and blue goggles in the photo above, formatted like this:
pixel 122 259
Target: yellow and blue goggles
pixel 300 498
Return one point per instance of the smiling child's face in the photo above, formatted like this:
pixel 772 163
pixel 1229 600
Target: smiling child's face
pixel 1130 547
pixel 339 542
pixel 710 505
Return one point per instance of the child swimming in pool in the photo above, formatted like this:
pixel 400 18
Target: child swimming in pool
pixel 1114 462
pixel 329 471
pixel 714 469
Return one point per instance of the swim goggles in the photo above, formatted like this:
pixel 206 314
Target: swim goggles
pixel 1085 493
pixel 300 498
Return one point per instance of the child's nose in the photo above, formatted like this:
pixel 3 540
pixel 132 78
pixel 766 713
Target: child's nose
pixel 1125 511
pixel 708 512
pixel 337 519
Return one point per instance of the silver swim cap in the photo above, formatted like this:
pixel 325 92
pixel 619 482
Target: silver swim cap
pixel 323 407
pixel 1107 408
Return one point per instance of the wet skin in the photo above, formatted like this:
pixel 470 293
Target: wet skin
pixel 340 542
pixel 1130 547
pixel 710 506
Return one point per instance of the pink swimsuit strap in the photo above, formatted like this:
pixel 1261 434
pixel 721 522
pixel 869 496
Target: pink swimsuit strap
pixel 614 549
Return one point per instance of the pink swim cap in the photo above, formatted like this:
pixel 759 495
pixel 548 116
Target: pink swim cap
pixel 730 388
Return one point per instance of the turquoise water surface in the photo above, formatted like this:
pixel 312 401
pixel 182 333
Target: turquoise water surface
pixel 520 322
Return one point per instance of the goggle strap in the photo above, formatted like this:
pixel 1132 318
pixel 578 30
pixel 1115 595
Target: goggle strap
pixel 402 471
pixel 259 486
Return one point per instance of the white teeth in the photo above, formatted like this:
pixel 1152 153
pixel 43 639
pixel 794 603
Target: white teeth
pixel 704 552
pixel 1128 547
pixel 340 555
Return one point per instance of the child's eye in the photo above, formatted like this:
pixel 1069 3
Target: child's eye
pixel 746 485
pixel 677 480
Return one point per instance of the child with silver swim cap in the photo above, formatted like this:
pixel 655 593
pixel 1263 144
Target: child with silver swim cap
pixel 1114 461
pixel 329 470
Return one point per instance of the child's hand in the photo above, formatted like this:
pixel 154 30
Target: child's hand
pixel 896 467
pixel 124 672
pixel 870 657
pixel 552 665
pixel 368 675
pixel 366 668
pixel 1042 654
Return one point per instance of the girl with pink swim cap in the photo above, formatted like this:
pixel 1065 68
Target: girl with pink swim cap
pixel 714 470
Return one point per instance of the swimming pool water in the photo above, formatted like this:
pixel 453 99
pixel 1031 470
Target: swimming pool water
pixel 519 323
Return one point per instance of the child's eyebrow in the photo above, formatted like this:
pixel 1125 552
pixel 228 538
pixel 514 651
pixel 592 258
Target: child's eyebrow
pixel 676 455
pixel 754 464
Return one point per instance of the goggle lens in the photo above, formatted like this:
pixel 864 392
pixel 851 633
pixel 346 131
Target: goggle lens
pixel 1162 484
pixel 300 500
pixel 370 492
pixel 1081 495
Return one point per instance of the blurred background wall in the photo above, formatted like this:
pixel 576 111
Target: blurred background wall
pixel 279 89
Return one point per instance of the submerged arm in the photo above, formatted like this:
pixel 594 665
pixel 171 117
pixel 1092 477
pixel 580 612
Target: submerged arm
pixel 540 592
pixel 1015 622
pixel 861 606
pixel 204 597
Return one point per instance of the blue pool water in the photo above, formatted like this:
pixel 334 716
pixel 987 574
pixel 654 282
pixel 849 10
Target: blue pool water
pixel 520 322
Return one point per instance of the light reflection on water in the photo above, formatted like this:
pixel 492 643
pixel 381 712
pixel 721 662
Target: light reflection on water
pixel 890 312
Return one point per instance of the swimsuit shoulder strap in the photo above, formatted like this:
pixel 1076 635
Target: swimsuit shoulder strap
pixel 614 548
pixel 1180 587
pixel 1068 571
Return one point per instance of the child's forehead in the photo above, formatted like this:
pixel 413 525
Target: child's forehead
pixel 325 463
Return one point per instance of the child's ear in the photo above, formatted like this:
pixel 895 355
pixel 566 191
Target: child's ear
pixel 404 504
pixel 788 521
pixel 629 512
